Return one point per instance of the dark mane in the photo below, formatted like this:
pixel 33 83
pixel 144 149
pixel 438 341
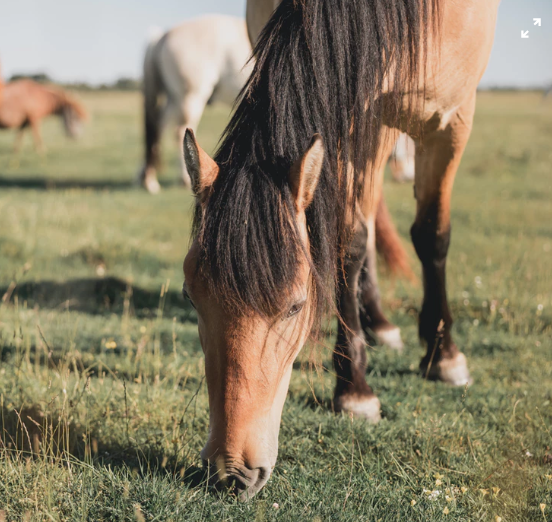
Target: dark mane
pixel 320 66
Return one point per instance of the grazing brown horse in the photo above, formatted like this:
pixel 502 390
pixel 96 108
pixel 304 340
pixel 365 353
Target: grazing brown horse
pixel 284 223
pixel 25 102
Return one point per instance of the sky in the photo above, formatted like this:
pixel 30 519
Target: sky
pixel 99 41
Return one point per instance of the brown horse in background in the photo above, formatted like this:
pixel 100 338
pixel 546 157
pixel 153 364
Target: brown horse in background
pixel 25 103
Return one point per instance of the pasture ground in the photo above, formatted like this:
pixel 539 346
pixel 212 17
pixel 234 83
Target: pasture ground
pixel 103 406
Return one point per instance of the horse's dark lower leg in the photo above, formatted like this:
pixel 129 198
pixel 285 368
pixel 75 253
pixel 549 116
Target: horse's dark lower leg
pixel 152 137
pixel 147 177
pixel 435 320
pixel 352 393
pixel 374 323
pixel 436 165
pixel 377 328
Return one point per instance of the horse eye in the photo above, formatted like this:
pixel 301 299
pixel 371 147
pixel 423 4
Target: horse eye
pixel 294 310
pixel 186 295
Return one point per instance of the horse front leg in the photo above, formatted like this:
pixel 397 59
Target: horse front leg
pixel 352 393
pixel 14 162
pixel 437 161
pixel 155 121
pixel 374 322
pixel 376 326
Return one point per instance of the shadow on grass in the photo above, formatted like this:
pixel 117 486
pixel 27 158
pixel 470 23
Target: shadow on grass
pixel 31 433
pixel 41 183
pixel 99 296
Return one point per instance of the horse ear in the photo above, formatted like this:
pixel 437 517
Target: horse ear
pixel 202 169
pixel 305 173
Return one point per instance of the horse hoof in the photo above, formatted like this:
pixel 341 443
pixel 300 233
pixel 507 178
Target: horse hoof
pixel 152 185
pixel 147 178
pixel 452 371
pixel 390 338
pixel 368 408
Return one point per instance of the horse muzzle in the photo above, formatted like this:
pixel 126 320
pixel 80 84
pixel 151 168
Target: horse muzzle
pixel 238 479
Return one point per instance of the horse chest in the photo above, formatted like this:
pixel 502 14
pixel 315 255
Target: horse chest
pixel 11 117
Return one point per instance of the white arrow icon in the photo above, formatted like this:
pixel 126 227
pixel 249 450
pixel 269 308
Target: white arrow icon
pixel 537 21
pixel 525 34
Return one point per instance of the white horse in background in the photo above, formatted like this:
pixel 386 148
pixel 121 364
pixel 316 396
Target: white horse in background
pixel 201 61
pixel 402 159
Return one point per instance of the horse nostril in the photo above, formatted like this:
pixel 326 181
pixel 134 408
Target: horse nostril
pixel 240 480
pixel 237 484
pixel 264 474
pixel 246 483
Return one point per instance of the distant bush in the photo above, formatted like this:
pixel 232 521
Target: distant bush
pixel 122 84
pixel 510 88
pixel 126 84
pixel 38 77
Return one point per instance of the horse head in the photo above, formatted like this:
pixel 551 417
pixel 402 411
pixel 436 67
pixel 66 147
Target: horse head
pixel 254 318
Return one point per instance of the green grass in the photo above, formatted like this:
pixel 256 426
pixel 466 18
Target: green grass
pixel 103 403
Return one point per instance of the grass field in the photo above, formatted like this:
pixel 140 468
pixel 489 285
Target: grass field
pixel 103 403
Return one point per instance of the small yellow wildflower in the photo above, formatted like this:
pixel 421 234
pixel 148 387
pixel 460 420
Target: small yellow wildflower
pixel 448 499
pixel 498 519
pixel 463 489
pixel 446 511
pixel 143 329
pixel 412 502
pixel 484 492
pixel 542 508
pixel 438 482
pixel 496 491
pixel 111 345
pixel 438 476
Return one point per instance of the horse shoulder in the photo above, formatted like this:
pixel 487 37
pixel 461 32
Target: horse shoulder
pixel 455 66
pixel 14 109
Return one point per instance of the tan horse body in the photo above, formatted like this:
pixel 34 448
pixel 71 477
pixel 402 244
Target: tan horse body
pixel 25 103
pixel 248 359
